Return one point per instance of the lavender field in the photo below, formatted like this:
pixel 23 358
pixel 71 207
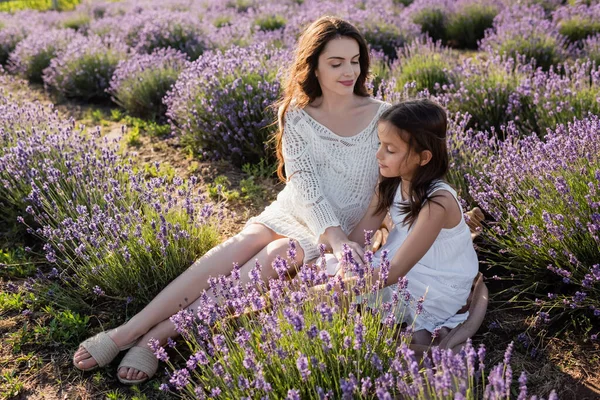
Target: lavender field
pixel 134 137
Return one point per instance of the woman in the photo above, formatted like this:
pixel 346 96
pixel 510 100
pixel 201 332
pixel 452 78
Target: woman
pixel 327 141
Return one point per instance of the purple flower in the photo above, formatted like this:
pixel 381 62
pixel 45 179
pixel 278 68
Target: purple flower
pixel 140 82
pixel 210 104
pixel 325 337
pixel 97 291
pixel 158 350
pixel 85 68
pixel 302 365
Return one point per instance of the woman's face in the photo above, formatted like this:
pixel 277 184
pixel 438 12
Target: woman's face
pixel 338 66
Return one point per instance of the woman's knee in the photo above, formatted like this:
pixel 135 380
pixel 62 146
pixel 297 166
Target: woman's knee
pixel 282 246
pixel 257 233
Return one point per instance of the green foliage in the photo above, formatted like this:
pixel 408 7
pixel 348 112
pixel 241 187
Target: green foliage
pixel 138 276
pixel 14 301
pixel 467 26
pixel 219 190
pixel 15 263
pixel 151 128
pixel 591 51
pixel 545 50
pixel 222 21
pixel 251 190
pixel 270 22
pixel 132 138
pixel 63 327
pixel 42 5
pixel 578 28
pixel 87 77
pixel 262 169
pixel 97 116
pixel 78 22
pixel 11 384
pixel 433 22
pixel 116 115
pixel 426 64
pixel 524 244
pixel 405 3
pixel 141 94
pixel 385 37
pixel 566 92
pixel 38 64
pixel 166 171
pixel 486 90
pixel 380 71
pixel 10 42
pixel 23 336
pixel 240 5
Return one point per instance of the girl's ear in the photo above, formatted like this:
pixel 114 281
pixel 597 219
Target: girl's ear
pixel 425 157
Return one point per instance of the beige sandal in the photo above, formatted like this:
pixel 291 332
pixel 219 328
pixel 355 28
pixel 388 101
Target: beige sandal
pixel 142 359
pixel 102 349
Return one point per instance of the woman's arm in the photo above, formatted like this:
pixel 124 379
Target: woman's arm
pixel 430 221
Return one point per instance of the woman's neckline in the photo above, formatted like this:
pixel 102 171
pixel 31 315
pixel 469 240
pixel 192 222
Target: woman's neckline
pixel 342 136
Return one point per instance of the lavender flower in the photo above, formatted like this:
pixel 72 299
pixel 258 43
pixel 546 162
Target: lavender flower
pixel 84 68
pixel 523 31
pixel 140 82
pixel 302 364
pixel 33 54
pixel 218 104
pixel 577 22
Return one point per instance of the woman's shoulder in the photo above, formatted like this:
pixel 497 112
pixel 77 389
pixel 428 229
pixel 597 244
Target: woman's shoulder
pixel 291 113
pixel 374 102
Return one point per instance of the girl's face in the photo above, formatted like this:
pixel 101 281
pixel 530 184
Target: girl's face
pixel 394 156
pixel 338 66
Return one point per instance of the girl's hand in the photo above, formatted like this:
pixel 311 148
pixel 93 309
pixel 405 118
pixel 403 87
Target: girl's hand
pixel 321 290
pixel 357 251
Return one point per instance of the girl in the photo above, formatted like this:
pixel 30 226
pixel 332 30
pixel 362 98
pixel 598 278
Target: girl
pixel 431 245
pixel 327 143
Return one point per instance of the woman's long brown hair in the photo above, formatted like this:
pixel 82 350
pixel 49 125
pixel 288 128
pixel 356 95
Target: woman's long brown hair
pixel 302 85
pixel 422 123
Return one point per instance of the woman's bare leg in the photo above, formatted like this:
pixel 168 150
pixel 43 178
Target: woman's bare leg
pixel 166 328
pixel 188 286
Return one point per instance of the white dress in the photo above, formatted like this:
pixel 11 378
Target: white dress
pixel 331 180
pixel 443 276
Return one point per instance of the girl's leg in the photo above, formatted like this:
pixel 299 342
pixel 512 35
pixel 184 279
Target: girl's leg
pixel 188 286
pixel 166 329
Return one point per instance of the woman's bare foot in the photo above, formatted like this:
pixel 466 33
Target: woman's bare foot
pixel 121 336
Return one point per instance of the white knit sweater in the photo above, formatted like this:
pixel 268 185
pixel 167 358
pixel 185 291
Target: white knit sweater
pixel 331 180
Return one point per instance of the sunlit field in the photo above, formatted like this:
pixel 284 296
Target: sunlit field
pixel 134 137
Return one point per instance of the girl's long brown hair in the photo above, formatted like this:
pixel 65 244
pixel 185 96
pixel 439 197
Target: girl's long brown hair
pixel 422 123
pixel 302 85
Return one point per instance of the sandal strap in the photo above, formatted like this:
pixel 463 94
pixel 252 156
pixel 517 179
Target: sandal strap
pixel 102 348
pixel 142 359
